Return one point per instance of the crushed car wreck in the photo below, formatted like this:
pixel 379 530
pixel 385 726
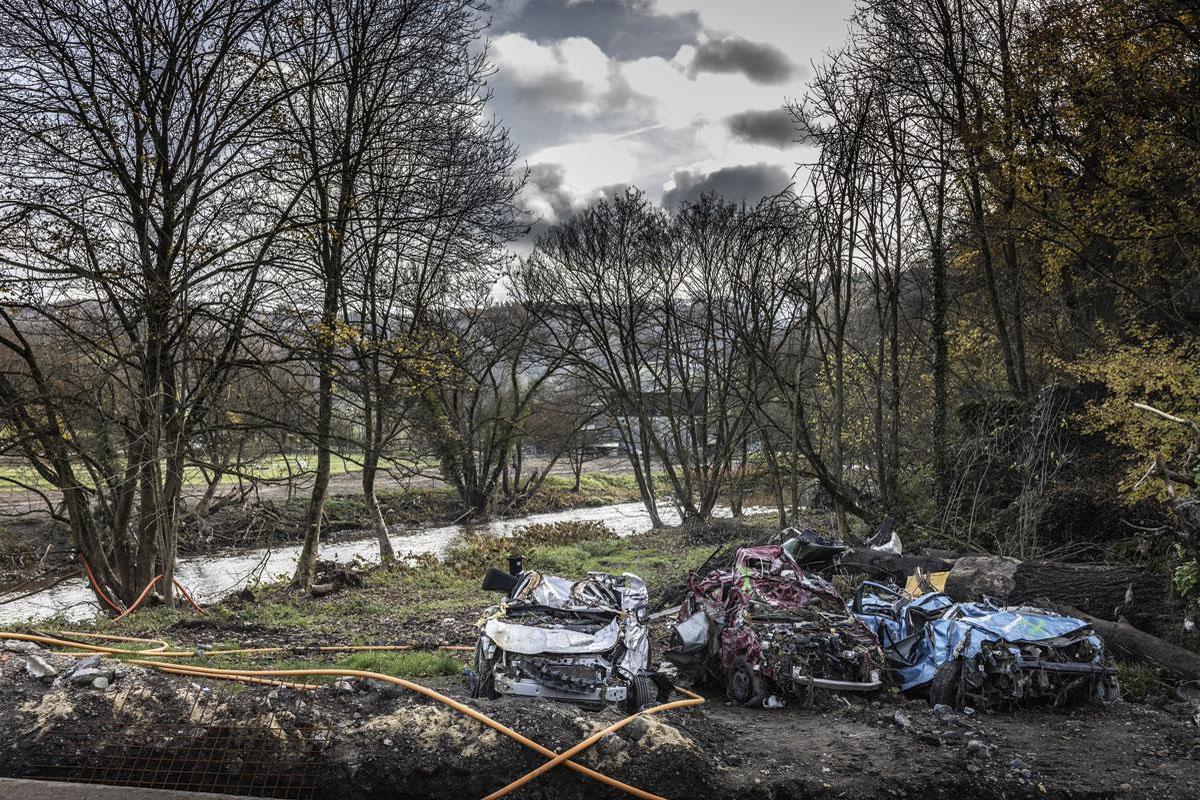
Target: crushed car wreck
pixel 983 655
pixel 767 629
pixel 582 641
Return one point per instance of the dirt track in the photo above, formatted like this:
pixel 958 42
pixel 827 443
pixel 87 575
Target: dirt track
pixel 357 741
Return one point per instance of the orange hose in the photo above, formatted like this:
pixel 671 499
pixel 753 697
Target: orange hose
pixel 175 669
pixel 35 638
pixel 242 651
pixel 161 648
pixel 141 597
pixel 96 585
pixel 693 699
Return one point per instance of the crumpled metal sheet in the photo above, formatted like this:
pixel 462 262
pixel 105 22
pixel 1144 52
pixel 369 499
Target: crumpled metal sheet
pixel 532 640
pixel 917 648
pixel 553 591
pixel 637 650
pixel 693 632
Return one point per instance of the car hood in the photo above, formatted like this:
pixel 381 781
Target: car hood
pixel 534 639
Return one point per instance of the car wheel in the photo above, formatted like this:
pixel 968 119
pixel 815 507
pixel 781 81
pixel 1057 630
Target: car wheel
pixel 484 684
pixel 744 685
pixel 946 684
pixel 639 694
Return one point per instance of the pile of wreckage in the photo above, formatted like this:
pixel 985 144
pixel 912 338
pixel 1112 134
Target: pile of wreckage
pixel 769 627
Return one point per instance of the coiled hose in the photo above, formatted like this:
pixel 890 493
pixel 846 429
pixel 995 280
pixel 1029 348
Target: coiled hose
pixel 265 676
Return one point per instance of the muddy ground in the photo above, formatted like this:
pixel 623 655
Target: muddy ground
pixel 355 740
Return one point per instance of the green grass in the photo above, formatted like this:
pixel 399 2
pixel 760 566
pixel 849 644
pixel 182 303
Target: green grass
pixel 1137 680
pixel 411 664
pixel 423 602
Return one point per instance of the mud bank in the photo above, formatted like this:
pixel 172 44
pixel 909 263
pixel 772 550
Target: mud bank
pixel 359 740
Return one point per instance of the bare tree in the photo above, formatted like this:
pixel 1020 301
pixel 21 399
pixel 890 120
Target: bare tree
pixel 381 80
pixel 132 173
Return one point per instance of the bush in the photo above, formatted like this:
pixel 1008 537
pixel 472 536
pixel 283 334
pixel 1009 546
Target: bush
pixel 476 551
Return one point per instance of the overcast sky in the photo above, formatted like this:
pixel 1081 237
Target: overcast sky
pixel 676 97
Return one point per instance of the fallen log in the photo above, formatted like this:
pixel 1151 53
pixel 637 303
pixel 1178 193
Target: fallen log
pixel 889 566
pixel 1127 642
pixel 1109 592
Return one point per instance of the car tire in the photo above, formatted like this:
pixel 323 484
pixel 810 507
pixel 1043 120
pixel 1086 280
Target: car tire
pixel 744 685
pixel 946 684
pixel 484 684
pixel 639 694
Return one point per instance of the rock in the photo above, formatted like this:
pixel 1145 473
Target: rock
pixel 84 677
pixel 100 682
pixel 942 710
pixel 39 668
pixel 611 744
pixel 637 729
pixel 977 749
pixel 902 722
pixel 86 663
pixel 14 646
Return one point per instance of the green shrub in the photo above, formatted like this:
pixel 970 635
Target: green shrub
pixel 476 551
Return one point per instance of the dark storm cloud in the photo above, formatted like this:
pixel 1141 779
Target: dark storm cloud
pixel 758 61
pixel 547 182
pixel 623 29
pixel 748 182
pixel 773 126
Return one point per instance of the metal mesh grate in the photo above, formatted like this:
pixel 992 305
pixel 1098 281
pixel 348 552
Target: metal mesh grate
pixel 261 741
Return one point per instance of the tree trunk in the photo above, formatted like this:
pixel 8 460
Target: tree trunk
pixel 307 565
pixel 387 555
pixel 1127 642
pixel 1109 592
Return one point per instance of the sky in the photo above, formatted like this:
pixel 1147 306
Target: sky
pixel 677 98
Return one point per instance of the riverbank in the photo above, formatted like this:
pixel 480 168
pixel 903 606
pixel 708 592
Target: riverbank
pixel 34 543
pixel 425 600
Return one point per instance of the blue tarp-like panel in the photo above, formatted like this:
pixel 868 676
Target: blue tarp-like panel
pixel 917 648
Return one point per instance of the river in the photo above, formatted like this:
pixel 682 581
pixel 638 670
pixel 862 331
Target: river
pixel 211 577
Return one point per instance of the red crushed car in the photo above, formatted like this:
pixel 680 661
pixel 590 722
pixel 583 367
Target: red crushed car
pixel 767 630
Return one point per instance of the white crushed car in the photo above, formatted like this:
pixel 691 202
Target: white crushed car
pixel 583 641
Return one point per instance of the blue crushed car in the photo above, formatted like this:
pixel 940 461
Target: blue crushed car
pixel 983 655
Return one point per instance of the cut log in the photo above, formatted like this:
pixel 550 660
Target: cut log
pixel 1140 596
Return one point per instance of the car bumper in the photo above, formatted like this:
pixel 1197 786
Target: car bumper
pixel 871 685
pixel 525 687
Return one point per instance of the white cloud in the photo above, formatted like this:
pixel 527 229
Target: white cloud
pixel 593 163
pixel 572 75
